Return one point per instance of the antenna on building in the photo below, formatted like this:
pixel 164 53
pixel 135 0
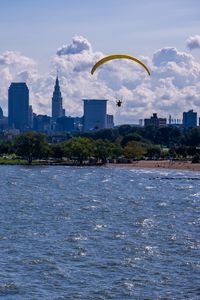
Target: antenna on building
pixel 170 119
pixel 57 72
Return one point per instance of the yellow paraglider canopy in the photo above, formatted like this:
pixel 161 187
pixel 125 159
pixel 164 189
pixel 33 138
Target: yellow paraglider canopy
pixel 117 56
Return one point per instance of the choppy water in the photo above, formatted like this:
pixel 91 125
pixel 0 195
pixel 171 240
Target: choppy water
pixel 99 233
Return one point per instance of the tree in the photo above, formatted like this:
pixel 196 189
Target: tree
pixel 102 150
pixel 124 129
pixel 57 151
pixel 192 138
pixel 150 133
pixel 31 145
pixel 117 150
pixel 79 148
pixel 196 159
pixel 181 151
pixel 134 150
pixel 172 152
pixel 130 137
pixel 106 134
pixel 5 147
pixel 175 136
pixel 153 151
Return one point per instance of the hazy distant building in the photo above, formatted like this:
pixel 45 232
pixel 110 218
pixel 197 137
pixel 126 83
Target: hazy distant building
pixel 41 123
pixel 18 106
pixel 65 124
pixel 140 122
pixel 78 123
pixel 95 114
pixel 1 113
pixel 110 121
pixel 4 123
pixel 57 108
pixel 155 121
pixel 173 122
pixel 189 119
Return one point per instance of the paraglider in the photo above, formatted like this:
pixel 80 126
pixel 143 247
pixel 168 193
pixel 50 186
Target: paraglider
pixel 118 56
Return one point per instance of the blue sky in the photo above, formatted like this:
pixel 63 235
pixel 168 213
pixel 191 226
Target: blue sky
pixel 164 34
pixel 37 28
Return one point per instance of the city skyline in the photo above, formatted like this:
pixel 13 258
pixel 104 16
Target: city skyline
pixel 58 111
pixel 75 40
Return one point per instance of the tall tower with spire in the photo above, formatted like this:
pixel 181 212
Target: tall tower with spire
pixel 57 108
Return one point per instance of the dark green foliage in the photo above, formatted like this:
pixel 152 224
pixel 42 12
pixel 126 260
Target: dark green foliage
pixel 150 133
pixel 172 152
pixel 31 145
pixel 6 147
pixel 78 149
pixel 102 150
pixel 153 151
pixel 133 137
pixel 181 151
pixel 192 137
pixel 124 129
pixel 57 151
pixel 134 150
pixel 125 140
pixel 196 159
pixel 130 137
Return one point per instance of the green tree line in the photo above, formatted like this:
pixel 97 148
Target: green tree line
pixel 124 142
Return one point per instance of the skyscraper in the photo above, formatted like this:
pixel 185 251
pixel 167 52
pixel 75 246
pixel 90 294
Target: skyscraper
pixel 189 119
pixel 57 109
pixel 18 105
pixel 95 116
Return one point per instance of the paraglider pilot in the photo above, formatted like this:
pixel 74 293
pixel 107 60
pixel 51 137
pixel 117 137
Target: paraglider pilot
pixel 119 103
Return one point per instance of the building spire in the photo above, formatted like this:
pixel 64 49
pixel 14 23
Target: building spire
pixel 57 109
pixel 57 80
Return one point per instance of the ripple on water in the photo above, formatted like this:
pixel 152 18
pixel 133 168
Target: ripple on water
pixel 150 187
pixel 99 226
pixel 147 223
pixel 8 288
pixel 79 237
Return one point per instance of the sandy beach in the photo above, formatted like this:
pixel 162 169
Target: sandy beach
pixel 161 164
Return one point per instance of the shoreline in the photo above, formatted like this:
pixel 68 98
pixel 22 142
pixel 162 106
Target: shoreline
pixel 161 164
pixel 140 164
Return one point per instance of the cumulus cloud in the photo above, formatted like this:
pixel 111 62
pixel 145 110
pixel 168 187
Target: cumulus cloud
pixel 193 42
pixel 174 85
pixel 170 54
pixel 78 45
pixel 15 67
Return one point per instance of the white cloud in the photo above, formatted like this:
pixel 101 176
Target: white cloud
pixel 174 85
pixel 15 67
pixel 193 42
pixel 170 54
pixel 79 44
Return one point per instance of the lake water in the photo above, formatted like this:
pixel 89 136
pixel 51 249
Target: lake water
pixel 99 233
